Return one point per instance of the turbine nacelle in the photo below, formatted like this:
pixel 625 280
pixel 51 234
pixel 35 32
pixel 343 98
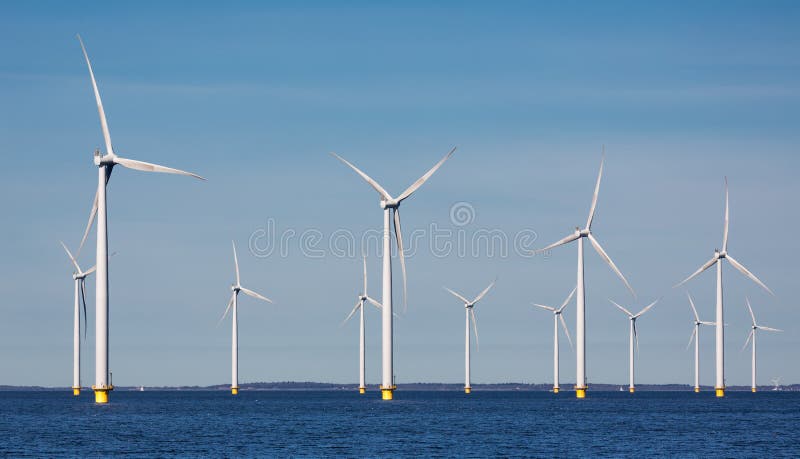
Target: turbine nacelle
pixel 582 232
pixel 390 204
pixel 103 160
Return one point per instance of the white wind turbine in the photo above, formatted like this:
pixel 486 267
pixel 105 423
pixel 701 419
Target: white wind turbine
pixel 557 316
pixel 105 165
pixel 391 206
pixel 752 336
pixel 469 311
pixel 634 336
pixel 720 322
pixel 234 301
pixel 363 298
pixel 580 313
pixel 79 276
pixel 696 337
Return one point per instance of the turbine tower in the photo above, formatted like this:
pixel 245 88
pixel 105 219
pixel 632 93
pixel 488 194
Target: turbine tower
pixel 105 163
pixel 580 314
pixel 696 337
pixel 363 298
pixel 557 316
pixel 234 301
pixel 79 276
pixel 752 336
pixel 391 207
pixel 634 336
pixel 469 311
pixel 720 322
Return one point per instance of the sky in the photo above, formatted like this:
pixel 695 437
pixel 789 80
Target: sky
pixel 255 95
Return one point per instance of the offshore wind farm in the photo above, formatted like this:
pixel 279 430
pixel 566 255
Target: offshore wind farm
pixel 650 122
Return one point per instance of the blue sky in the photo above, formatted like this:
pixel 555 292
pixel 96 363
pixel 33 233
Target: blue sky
pixel 254 96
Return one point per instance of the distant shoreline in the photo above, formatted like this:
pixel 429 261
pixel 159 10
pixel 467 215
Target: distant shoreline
pixel 444 387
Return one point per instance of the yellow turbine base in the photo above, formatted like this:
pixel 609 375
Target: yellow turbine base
pixel 234 391
pixel 720 391
pixel 555 390
pixel 467 390
pixel 362 390
pixel 631 390
pixel 580 392
pixel 387 393
pixel 753 389
pixel 101 395
pixel 76 391
pixel 697 389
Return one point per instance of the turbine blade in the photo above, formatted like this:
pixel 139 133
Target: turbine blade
pixel 747 273
pixel 358 304
pixel 384 194
pixel 621 308
pixel 566 302
pixel 228 308
pixel 150 167
pixel 83 295
pixel 549 308
pixel 484 292
pixel 727 219
pixel 100 111
pixel 750 308
pixel 708 323
pixel 566 331
pixel 761 327
pixel 610 263
pixel 236 263
pixel 365 275
pixel 474 327
pixel 691 338
pixel 400 252
pixel 705 266
pixel 691 303
pixel 255 295
pixel 92 216
pixel 563 241
pixel 466 301
pixel 596 191
pixel 414 186
pixel 374 303
pixel 90 270
pixel 749 335
pixel 647 308
pixel 71 258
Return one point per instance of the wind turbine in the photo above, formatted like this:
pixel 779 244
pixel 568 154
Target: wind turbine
pixel 696 337
pixel 469 311
pixel 105 164
pixel 363 298
pixel 79 276
pixel 391 206
pixel 752 336
pixel 580 314
pixel 557 316
pixel 720 322
pixel 634 336
pixel 234 301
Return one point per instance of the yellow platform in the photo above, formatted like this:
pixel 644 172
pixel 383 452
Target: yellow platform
pixel 387 393
pixel 753 389
pixel 76 391
pixel 580 392
pixel 362 390
pixel 720 391
pixel 697 389
pixel 234 391
pixel 555 390
pixel 631 390
pixel 467 390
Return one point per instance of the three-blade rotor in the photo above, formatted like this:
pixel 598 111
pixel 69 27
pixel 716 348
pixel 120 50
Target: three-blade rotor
pixel 363 297
pixel 558 312
pixel 470 305
pixel 111 159
pixel 587 233
pixel 754 325
pixel 236 288
pixel 387 201
pixel 633 317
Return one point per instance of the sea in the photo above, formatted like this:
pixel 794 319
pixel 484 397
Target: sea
pixel 44 424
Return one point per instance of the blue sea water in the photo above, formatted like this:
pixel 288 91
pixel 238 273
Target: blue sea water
pixel 415 424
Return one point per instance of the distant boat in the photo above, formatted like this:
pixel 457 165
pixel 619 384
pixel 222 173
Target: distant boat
pixel 621 389
pixel 141 388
